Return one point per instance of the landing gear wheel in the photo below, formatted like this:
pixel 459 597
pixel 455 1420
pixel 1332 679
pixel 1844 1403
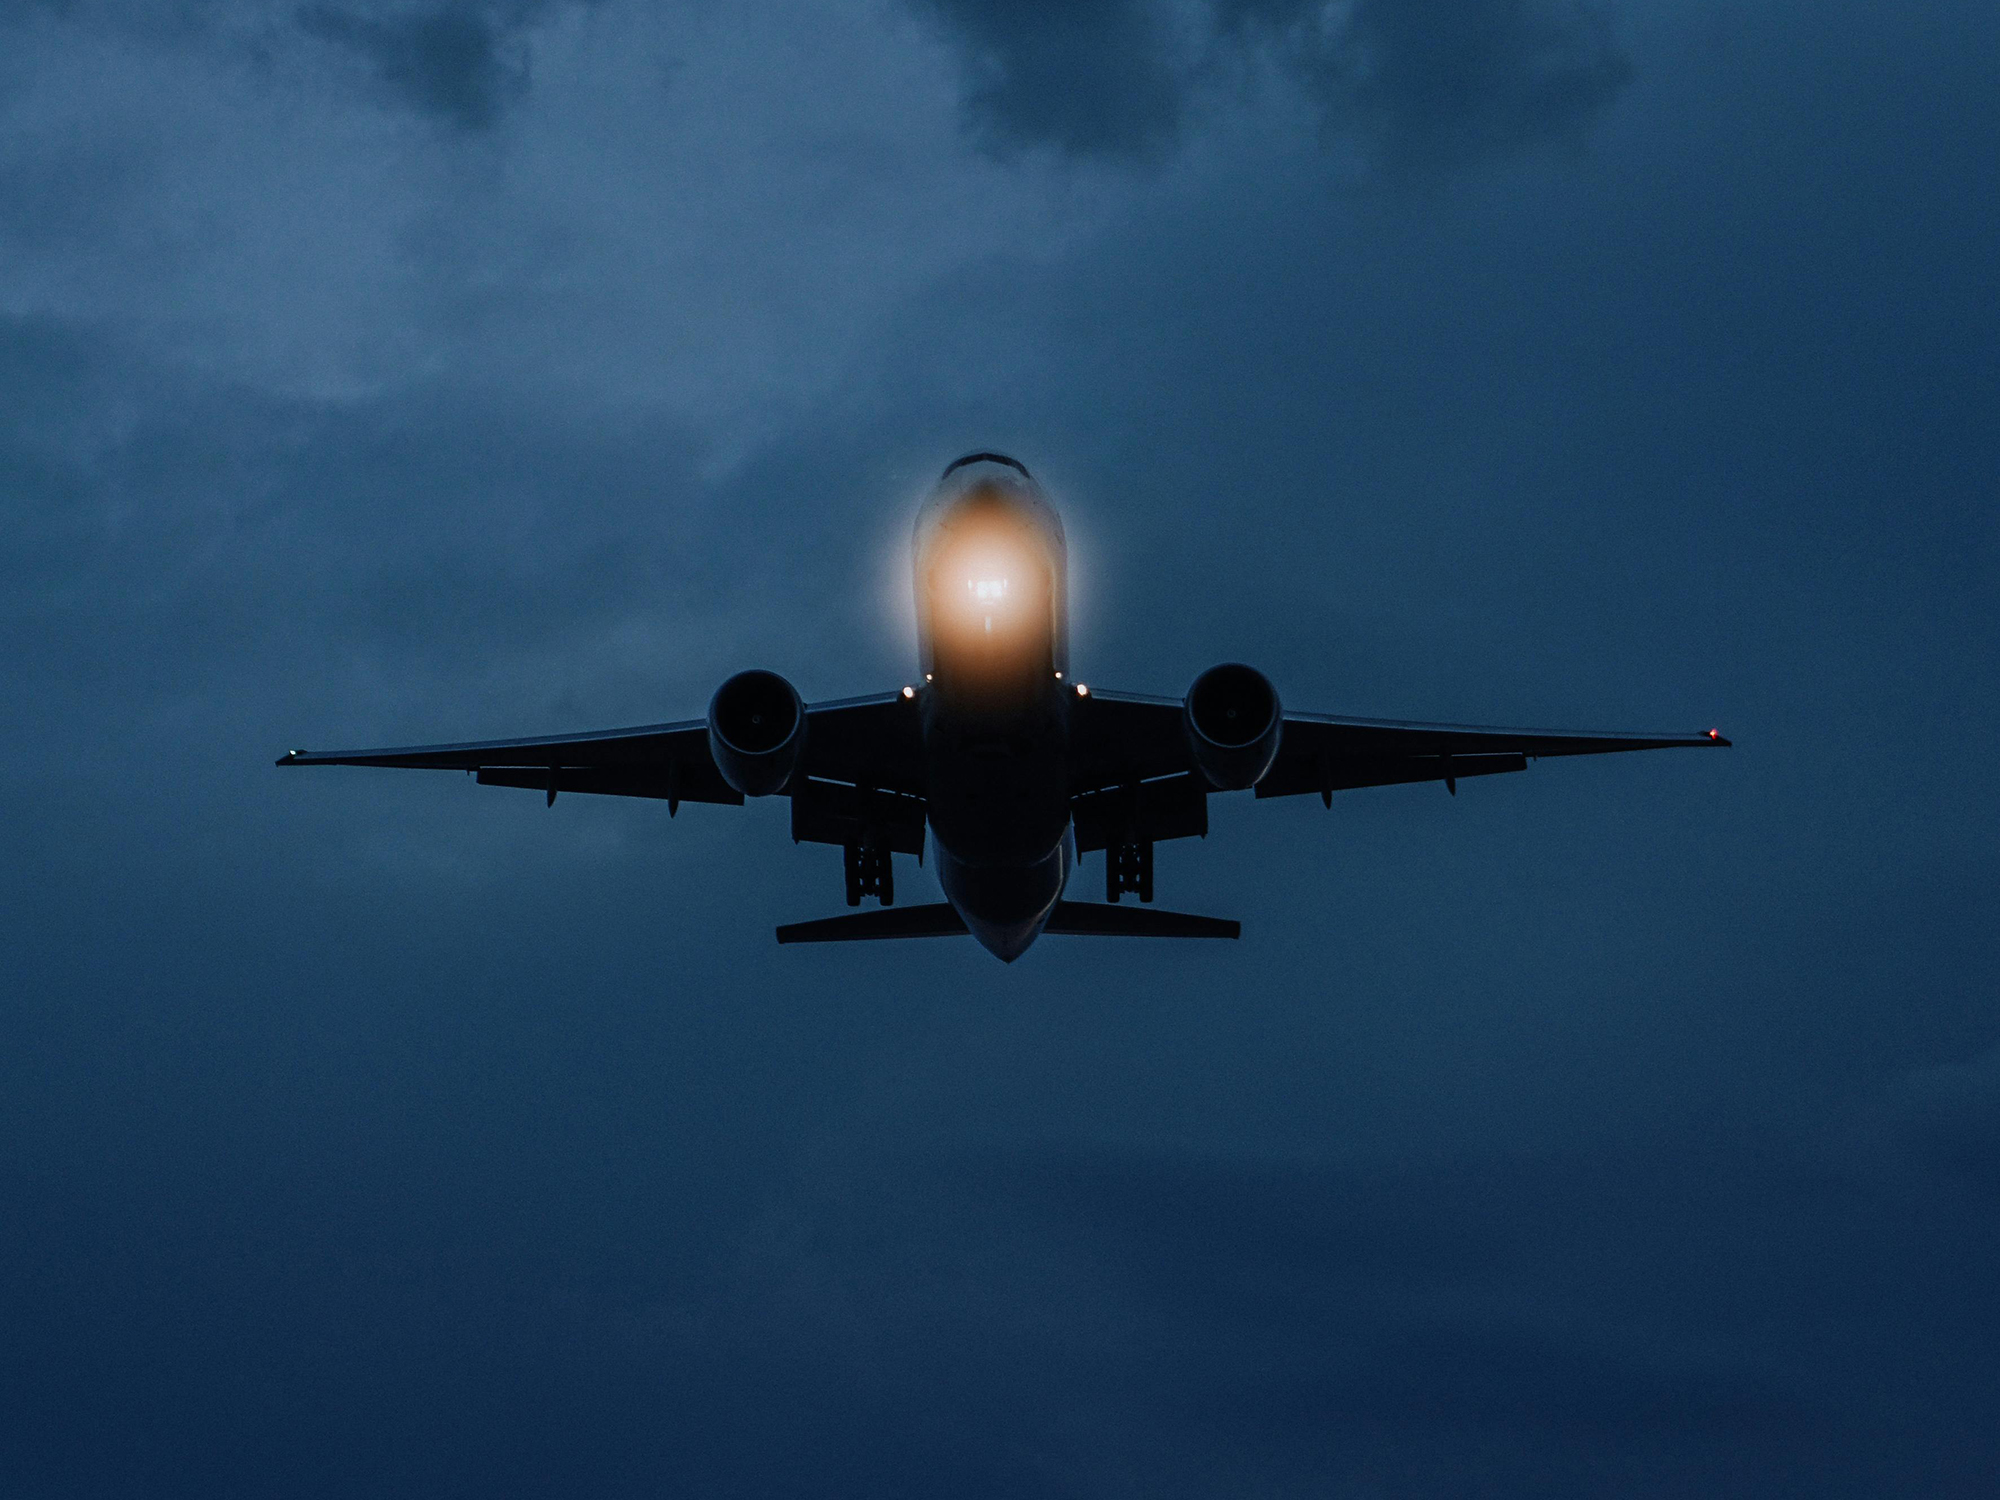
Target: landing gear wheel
pixel 869 873
pixel 1128 867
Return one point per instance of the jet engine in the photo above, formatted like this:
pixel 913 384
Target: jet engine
pixel 1233 722
pixel 756 732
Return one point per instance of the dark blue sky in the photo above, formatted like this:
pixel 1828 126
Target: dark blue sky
pixel 405 372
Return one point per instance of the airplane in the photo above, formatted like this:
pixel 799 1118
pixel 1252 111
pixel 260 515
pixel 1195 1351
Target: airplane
pixel 996 756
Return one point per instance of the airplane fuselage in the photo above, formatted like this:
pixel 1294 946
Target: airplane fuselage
pixel 993 640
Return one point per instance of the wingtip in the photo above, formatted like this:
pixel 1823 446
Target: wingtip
pixel 1716 737
pixel 289 758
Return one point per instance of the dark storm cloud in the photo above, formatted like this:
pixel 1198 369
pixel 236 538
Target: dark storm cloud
pixel 1417 90
pixel 462 64
pixel 177 515
pixel 1089 77
pixel 1422 89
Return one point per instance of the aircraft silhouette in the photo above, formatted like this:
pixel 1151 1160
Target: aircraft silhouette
pixel 1013 767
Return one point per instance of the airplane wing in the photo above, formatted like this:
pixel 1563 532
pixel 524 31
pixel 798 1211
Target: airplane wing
pixel 1127 739
pixel 868 743
pixel 1328 753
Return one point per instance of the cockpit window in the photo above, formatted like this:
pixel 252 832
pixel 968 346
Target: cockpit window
pixel 987 458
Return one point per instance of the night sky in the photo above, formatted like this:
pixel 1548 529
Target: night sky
pixel 379 374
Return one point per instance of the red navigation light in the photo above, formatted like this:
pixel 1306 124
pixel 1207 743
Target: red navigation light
pixel 1715 734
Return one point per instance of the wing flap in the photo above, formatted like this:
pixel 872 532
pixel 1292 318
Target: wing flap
pixel 832 812
pixel 681 783
pixel 1296 774
pixel 1174 807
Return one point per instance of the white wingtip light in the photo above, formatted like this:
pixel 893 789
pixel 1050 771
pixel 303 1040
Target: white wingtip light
pixel 909 692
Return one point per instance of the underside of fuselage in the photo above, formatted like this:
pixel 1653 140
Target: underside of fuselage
pixel 1005 907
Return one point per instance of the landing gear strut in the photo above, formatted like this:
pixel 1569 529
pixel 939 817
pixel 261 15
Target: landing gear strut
pixel 869 873
pixel 1128 867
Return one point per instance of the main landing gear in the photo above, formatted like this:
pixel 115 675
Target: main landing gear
pixel 870 873
pixel 1128 867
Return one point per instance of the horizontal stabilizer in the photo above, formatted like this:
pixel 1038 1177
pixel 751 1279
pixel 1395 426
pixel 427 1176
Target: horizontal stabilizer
pixel 889 922
pixel 1100 919
pixel 1070 919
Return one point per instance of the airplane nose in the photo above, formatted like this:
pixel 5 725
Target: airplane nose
pixel 986 504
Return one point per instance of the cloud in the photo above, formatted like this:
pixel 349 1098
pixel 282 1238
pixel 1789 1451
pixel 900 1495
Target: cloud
pixel 463 65
pixel 1416 90
pixel 1423 89
pixel 1087 77
pixel 417 1123
pixel 194 518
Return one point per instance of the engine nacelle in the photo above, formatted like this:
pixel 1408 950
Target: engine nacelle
pixel 1233 723
pixel 756 732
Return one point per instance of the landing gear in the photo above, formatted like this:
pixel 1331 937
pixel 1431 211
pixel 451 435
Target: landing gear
pixel 1128 867
pixel 869 873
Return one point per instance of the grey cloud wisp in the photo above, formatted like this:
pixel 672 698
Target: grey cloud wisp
pixel 1416 90
pixel 461 64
